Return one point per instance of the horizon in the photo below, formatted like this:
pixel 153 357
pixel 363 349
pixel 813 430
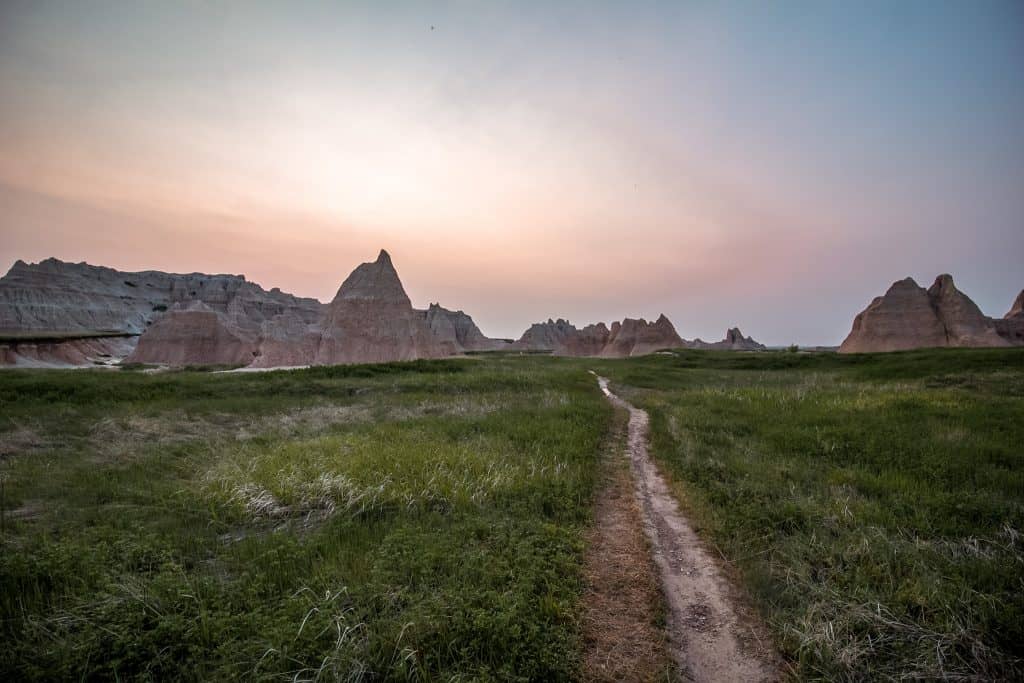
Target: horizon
pixel 772 168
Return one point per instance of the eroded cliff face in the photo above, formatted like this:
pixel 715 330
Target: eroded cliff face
pixel 195 335
pixel 963 321
pixel 57 313
pixel 1011 326
pixel 638 337
pixel 372 320
pixel 733 341
pixel 908 316
pixel 631 337
pixel 459 329
pixel 58 297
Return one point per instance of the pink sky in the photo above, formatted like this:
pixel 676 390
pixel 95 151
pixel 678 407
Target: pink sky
pixel 519 165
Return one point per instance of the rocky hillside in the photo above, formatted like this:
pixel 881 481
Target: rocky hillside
pixel 909 316
pixel 631 337
pixel 58 314
pixel 734 341
pixel 370 319
pixel 58 298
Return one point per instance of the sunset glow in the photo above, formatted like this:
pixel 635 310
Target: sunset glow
pixel 523 162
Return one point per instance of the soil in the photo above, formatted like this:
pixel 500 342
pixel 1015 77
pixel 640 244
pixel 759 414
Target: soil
pixel 623 618
pixel 713 635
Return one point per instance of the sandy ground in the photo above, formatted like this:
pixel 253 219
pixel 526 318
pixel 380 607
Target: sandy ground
pixel 713 636
pixel 623 609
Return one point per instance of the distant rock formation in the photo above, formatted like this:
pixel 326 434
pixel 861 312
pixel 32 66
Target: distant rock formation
pixel 459 329
pixel 372 320
pixel 79 314
pixel 194 335
pixel 60 314
pixel 910 317
pixel 630 337
pixel 963 321
pixel 64 298
pixel 734 341
pixel 639 337
pixel 1011 326
pixel 550 336
pixel 48 353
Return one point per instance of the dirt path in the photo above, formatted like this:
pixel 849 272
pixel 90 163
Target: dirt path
pixel 713 637
pixel 623 608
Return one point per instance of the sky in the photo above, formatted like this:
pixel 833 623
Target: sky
pixel 768 165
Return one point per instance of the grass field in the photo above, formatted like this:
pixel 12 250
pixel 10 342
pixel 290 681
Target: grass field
pixel 409 521
pixel 425 521
pixel 872 505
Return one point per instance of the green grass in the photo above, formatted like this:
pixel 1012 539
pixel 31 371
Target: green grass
pixel 424 521
pixel 417 521
pixel 872 504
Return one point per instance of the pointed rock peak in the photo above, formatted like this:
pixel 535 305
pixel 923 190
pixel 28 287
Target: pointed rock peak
pixel 905 283
pixel 943 283
pixel 376 281
pixel 1017 309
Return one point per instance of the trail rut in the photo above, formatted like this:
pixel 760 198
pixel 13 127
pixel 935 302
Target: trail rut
pixel 713 637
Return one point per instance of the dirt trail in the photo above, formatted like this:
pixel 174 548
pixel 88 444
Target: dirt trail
pixel 622 603
pixel 713 637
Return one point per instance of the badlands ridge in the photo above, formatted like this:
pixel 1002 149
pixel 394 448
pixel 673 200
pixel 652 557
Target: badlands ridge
pixel 57 314
pixel 65 314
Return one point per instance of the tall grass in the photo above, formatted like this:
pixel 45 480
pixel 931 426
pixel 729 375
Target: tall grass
pixel 413 521
pixel 873 504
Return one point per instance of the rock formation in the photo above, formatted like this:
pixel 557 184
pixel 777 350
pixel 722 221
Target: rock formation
pixel 639 337
pixel 372 320
pixel 49 352
pixel 79 314
pixel 63 298
pixel 963 321
pixel 1011 326
pixel 627 338
pixel 194 334
pixel 59 314
pixel 734 341
pixel 550 336
pixel 910 317
pixel 459 328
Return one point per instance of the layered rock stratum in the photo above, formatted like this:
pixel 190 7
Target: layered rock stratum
pixel 371 320
pixel 630 337
pixel 1011 326
pixel 734 341
pixel 64 314
pixel 195 334
pixel 909 316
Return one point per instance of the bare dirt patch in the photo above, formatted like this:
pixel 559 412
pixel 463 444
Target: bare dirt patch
pixel 19 440
pixel 714 636
pixel 622 604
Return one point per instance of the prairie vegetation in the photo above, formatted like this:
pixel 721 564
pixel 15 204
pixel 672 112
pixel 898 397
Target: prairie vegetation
pixel 429 520
pixel 409 521
pixel 873 505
